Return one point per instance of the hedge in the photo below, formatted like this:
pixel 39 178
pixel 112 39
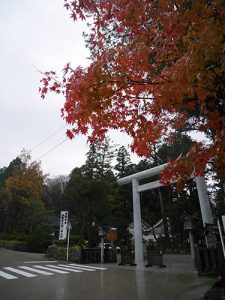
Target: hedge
pixel 14 245
pixel 54 251
pixel 31 245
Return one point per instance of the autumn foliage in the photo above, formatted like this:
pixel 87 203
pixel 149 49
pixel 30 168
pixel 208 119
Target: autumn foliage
pixel 26 182
pixel 157 67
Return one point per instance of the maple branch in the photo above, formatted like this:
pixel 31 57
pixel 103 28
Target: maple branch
pixel 138 97
pixel 131 81
pixel 104 82
pixel 51 76
pixel 164 78
pixel 114 92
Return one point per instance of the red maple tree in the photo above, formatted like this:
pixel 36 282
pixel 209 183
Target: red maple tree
pixel 157 67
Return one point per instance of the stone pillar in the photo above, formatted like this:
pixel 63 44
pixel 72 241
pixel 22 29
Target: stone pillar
pixel 102 249
pixel 138 243
pixel 192 244
pixel 204 201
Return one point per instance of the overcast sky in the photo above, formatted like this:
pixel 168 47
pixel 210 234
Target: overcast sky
pixel 38 33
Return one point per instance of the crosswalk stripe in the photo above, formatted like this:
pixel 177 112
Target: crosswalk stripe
pixel 59 268
pixel 91 267
pixel 40 261
pixel 35 270
pixel 62 268
pixel 79 268
pixel 26 274
pixel 7 276
pixel 51 269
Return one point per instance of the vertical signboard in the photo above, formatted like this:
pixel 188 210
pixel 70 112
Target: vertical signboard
pixel 63 225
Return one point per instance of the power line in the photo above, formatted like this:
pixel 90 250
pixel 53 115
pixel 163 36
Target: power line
pixel 51 149
pixel 51 135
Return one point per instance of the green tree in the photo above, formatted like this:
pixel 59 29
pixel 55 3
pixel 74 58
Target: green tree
pixel 122 202
pixel 123 166
pixel 90 189
pixel 89 201
pixel 165 151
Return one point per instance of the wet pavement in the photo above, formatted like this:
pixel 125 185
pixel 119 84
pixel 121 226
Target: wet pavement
pixel 178 281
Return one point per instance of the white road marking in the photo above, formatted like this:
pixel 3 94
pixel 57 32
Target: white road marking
pixel 79 268
pixel 26 274
pixel 40 261
pixel 35 270
pixel 50 269
pixel 66 269
pixel 91 267
pixel 60 268
pixel 7 276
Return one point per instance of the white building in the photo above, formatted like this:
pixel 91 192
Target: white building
pixel 149 232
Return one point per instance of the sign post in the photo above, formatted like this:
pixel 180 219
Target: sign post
pixel 68 241
pixel 63 225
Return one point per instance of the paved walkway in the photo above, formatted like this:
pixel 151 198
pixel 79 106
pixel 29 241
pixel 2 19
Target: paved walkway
pixel 178 273
pixel 178 281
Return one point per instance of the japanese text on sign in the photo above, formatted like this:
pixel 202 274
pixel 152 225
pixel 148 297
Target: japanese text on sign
pixel 63 225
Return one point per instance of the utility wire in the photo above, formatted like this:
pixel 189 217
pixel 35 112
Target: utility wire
pixel 46 139
pixel 51 149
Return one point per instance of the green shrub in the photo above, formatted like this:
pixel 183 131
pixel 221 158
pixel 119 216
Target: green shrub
pixel 36 244
pixel 61 253
pixel 14 237
pixel 2 243
pixel 13 245
pixel 56 252
pixel 60 243
pixel 74 242
pixel 52 251
pixel 77 240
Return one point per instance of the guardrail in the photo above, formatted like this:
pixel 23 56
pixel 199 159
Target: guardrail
pixel 127 258
pixel 209 260
pixel 93 255
pixel 155 258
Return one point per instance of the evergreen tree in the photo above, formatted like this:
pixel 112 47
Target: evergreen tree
pixel 105 155
pixel 124 167
pixel 90 168
pixel 90 190
pixel 99 159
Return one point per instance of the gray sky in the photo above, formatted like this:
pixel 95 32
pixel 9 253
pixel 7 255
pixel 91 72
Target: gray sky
pixel 41 34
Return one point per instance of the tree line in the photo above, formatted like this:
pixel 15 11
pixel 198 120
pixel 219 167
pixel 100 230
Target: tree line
pixel 30 203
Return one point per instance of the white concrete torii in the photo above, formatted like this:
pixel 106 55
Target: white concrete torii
pixel 136 188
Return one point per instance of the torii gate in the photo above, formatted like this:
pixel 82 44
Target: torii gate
pixel 136 188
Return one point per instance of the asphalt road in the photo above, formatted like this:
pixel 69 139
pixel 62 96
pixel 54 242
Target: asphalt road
pixel 91 282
